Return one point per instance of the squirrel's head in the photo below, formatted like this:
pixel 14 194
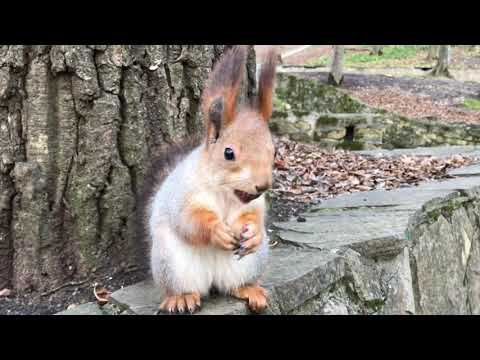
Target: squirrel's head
pixel 239 146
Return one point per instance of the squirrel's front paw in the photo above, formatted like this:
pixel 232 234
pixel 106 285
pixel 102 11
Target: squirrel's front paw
pixel 250 239
pixel 223 238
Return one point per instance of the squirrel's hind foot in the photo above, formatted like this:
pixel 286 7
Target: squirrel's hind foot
pixel 180 304
pixel 255 295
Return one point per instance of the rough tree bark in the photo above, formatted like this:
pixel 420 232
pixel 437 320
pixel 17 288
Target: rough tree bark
pixel 377 50
pixel 336 72
pixel 79 126
pixel 441 68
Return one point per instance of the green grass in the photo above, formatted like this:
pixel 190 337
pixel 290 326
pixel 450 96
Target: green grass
pixel 472 104
pixel 390 52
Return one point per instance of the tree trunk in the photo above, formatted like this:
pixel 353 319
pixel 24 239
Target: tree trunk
pixel 79 126
pixel 377 50
pixel 432 53
pixel 441 68
pixel 336 72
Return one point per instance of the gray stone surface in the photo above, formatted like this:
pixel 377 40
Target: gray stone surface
pixel 299 281
pixel 445 256
pixel 83 309
pixel 288 270
pixel 92 308
pixel 473 170
pixel 144 299
pixel 365 216
pixel 439 151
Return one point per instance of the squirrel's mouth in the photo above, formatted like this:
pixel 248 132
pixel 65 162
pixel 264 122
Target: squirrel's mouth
pixel 246 197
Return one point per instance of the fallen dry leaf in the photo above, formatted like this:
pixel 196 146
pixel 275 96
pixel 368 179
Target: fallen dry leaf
pixel 101 294
pixel 5 292
pixel 415 106
pixel 304 173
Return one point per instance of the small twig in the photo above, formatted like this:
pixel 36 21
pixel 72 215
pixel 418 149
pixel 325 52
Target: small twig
pixel 71 283
pixel 273 243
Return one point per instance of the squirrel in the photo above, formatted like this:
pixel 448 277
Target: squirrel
pixel 204 212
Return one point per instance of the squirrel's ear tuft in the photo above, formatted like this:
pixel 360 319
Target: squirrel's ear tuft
pixel 224 82
pixel 266 84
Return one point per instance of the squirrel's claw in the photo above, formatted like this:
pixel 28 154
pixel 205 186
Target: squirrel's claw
pixel 248 245
pixel 179 304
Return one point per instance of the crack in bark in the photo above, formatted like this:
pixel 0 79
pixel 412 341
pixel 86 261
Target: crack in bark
pixel 98 201
pixel 169 80
pixel 120 146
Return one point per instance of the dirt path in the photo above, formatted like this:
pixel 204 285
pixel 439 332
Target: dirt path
pixel 439 89
pixel 294 54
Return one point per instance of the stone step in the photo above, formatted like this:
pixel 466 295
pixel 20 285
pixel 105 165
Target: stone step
pixel 293 276
pixel 363 216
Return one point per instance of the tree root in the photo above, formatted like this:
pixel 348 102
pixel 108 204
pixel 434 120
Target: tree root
pixel 71 283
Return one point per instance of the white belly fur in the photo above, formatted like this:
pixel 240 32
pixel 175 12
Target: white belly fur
pixel 183 268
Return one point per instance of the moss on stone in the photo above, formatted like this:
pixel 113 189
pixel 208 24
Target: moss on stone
pixel 309 95
pixel 351 145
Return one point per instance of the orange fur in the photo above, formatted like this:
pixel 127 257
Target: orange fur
pixel 202 222
pixel 254 216
pixel 254 294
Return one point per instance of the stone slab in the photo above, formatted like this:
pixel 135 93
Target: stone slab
pixel 363 216
pixel 84 309
pixel 289 268
pixel 473 170
pixel 440 151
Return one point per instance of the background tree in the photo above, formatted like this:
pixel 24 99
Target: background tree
pixel 377 50
pixel 79 126
pixel 441 68
pixel 336 72
pixel 432 53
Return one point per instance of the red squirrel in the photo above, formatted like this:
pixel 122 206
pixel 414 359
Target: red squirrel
pixel 205 212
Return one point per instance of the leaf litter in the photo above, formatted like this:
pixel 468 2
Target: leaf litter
pixel 304 174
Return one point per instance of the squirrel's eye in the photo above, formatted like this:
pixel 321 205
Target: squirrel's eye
pixel 229 154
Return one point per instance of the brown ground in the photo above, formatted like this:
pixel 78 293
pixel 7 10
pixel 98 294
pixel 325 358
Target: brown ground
pixel 303 57
pixel 296 59
pixel 36 304
pixel 414 106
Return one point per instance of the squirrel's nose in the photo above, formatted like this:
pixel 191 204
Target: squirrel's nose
pixel 263 188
